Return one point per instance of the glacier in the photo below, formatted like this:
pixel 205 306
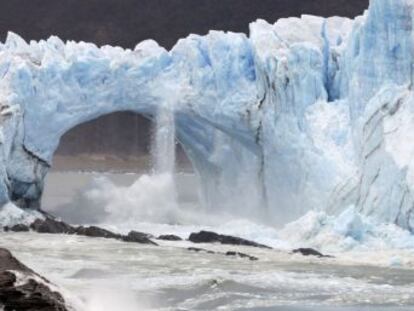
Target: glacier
pixel 307 114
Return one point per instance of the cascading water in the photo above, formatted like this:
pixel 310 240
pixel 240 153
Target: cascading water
pixel 152 197
pixel 163 145
pixel 163 155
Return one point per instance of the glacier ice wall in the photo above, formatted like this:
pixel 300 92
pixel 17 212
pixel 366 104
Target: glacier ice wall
pixel 305 114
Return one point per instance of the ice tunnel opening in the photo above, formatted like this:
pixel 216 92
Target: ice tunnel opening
pixel 105 170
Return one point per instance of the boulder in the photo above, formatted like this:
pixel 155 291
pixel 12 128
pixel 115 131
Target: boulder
pixel 169 237
pixel 17 228
pixel 310 252
pixel 200 250
pixel 50 225
pixel 241 255
pixel 25 291
pixel 97 232
pixel 138 237
pixel 212 237
pixel 229 253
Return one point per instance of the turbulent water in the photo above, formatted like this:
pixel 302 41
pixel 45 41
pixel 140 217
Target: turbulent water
pixel 375 273
pixel 103 275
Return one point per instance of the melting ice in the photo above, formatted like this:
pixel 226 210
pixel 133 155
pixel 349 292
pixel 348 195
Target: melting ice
pixel 311 111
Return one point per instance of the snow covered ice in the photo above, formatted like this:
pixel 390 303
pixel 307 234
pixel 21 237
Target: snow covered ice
pixel 308 114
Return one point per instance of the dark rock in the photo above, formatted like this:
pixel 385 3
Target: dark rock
pixel 97 232
pixel 8 262
pixel 169 237
pixel 241 255
pixel 198 250
pixel 33 294
pixel 310 252
pixel 138 237
pixel 212 237
pixel 7 279
pixel 17 228
pixel 50 225
pixel 229 253
pixel 143 234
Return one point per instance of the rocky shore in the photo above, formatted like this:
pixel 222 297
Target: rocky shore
pixel 22 289
pixel 54 226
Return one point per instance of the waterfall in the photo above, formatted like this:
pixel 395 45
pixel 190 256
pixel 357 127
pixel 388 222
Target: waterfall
pixel 163 145
pixel 152 197
pixel 163 161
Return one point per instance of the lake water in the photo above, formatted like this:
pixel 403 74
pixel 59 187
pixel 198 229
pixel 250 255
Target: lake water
pixel 108 275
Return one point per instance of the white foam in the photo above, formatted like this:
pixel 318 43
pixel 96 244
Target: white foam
pixel 348 231
pixel 11 215
pixel 150 198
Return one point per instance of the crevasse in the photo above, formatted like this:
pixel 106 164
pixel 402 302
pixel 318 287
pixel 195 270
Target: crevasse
pixel 305 114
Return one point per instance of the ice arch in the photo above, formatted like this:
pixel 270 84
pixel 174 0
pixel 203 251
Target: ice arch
pixel 54 87
pixel 308 113
pixel 239 114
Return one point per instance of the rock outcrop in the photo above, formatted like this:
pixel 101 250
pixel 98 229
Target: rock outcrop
pixel 96 232
pixel 310 252
pixel 169 237
pixel 241 255
pixel 53 226
pixel 17 228
pixel 229 253
pixel 138 237
pixel 212 237
pixel 21 289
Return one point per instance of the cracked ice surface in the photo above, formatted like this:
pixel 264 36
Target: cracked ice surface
pixel 305 114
